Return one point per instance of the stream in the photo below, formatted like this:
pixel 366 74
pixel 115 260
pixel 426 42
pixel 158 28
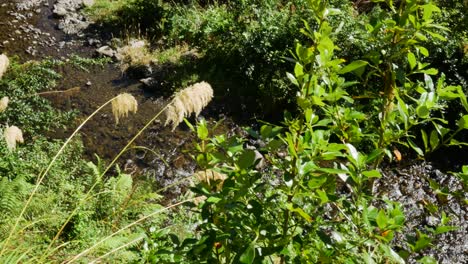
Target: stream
pixel 30 30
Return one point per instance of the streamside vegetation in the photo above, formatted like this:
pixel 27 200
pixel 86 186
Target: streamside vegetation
pixel 348 91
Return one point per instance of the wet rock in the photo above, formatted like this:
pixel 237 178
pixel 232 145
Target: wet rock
pixel 94 42
pixel 106 51
pixel 148 82
pixel 72 21
pixel 423 206
pixel 28 4
pixel 60 11
pixel 140 71
pixel 88 3
pixel 4 63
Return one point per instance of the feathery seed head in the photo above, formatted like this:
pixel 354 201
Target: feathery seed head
pixel 12 135
pixel 4 62
pixel 123 104
pixel 190 100
pixel 4 103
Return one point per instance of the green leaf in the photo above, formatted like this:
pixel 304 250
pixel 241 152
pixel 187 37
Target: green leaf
pixel 316 182
pixel 292 79
pixel 248 255
pixel 428 9
pixel 429 82
pixel 430 71
pixel 444 229
pixel 427 260
pixel 463 122
pixel 246 159
pixel 353 66
pixel 425 139
pixel 381 219
pixel 375 154
pixel 189 125
pixel 298 70
pixel 372 174
pixel 423 51
pixel 412 60
pixel 422 111
pixel 213 200
pixel 423 242
pixel 434 139
pixel 202 131
pixel 436 35
pixel 323 197
pixel 415 147
pixel 300 212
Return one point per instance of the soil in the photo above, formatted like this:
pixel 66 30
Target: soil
pixel 29 30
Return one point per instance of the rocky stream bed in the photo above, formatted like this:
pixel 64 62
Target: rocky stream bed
pixel 37 29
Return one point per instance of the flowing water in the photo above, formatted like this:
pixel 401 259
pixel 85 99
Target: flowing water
pixel 32 34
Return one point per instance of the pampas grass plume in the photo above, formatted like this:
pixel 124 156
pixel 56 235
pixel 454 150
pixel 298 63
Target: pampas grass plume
pixel 4 62
pixel 12 135
pixel 123 104
pixel 4 103
pixel 190 100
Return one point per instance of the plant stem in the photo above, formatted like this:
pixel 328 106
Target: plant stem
pixel 42 176
pixel 126 227
pixel 106 170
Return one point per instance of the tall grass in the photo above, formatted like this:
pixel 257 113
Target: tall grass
pixel 121 105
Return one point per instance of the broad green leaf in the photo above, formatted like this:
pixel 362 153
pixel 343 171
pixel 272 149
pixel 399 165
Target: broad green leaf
pixel 422 111
pixel 298 70
pixel 316 182
pixel 412 60
pixel 265 131
pixel 353 66
pixel 323 197
pixel 428 9
pixel 249 254
pixel 423 51
pixel 246 159
pixel 202 131
pixel 381 219
pixel 463 122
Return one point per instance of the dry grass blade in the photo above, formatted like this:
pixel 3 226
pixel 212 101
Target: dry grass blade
pixel 66 93
pixel 123 104
pixel 188 101
pixel 213 178
pixel 4 103
pixel 13 135
pixel 4 63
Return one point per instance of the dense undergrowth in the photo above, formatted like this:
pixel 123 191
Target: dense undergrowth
pixel 365 84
